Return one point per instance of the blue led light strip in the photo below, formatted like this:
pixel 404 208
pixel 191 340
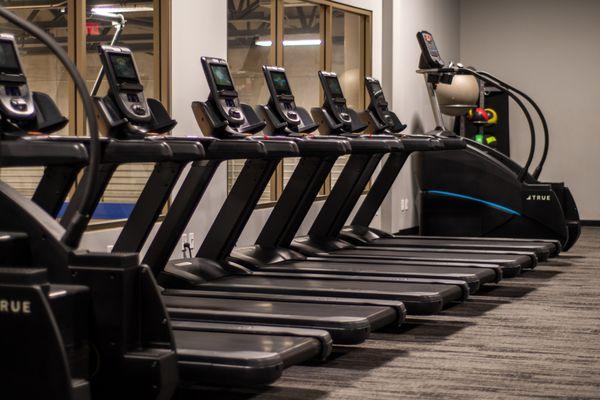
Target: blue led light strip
pixel 475 199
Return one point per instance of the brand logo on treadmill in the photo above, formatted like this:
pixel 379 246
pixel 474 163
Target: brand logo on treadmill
pixel 538 197
pixel 8 306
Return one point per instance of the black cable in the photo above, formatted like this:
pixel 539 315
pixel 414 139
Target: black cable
pixel 76 226
pixel 525 169
pixel 187 248
pixel 538 170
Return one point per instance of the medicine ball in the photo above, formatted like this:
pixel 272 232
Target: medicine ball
pixel 458 97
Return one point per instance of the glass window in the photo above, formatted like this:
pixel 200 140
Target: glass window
pixel 348 60
pixel 138 35
pixel 249 47
pixel 302 58
pixel 304 42
pixel 44 72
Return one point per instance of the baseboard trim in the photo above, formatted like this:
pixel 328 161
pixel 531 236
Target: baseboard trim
pixel 590 222
pixel 408 231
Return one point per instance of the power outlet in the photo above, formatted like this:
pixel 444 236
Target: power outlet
pixel 109 248
pixel 184 240
pixel 192 240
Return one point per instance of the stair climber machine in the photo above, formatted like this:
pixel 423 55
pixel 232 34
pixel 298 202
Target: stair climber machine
pixel 75 324
pixel 210 353
pixel 348 321
pixel 382 120
pixel 323 239
pixel 272 251
pixel 210 273
pixel 480 191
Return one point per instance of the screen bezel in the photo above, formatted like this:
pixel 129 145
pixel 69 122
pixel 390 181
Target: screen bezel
pixel 220 87
pixel 287 91
pixel 17 69
pixel 135 79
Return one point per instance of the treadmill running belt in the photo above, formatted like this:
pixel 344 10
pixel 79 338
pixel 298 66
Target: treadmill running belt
pixel 227 359
pixel 418 297
pixel 522 261
pixel 542 250
pixel 346 324
pixel 366 268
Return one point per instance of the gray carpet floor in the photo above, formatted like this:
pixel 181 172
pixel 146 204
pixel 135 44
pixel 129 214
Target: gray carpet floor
pixel 532 337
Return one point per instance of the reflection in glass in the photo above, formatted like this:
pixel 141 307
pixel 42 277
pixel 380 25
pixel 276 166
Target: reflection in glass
pixel 138 35
pixel 249 47
pixel 44 72
pixel 348 31
pixel 302 58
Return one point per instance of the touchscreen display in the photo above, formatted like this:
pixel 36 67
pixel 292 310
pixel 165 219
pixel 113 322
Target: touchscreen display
pixel 123 66
pixel 281 83
pixel 334 87
pixel 8 58
pixel 222 77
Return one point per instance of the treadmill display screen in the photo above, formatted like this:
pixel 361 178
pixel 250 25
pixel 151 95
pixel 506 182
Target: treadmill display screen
pixel 8 58
pixel 281 83
pixel 124 68
pixel 222 77
pixel 334 87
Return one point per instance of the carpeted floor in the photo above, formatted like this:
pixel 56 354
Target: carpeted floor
pixel 532 337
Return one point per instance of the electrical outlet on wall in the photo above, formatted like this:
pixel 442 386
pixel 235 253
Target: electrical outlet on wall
pixel 109 248
pixel 192 242
pixel 184 240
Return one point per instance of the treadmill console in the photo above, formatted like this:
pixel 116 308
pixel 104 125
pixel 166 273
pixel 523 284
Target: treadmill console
pixel 123 78
pixel 379 107
pixel 223 91
pixel 282 99
pixel 334 97
pixel 430 56
pixel 16 100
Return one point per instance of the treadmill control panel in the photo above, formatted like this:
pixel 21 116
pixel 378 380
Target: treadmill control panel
pixel 16 100
pixel 123 78
pixel 429 51
pixel 379 108
pixel 281 94
pixel 378 101
pixel 223 90
pixel 334 96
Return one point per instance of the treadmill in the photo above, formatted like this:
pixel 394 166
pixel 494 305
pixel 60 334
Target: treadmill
pixel 348 321
pixel 62 309
pixel 207 353
pixel 323 237
pixel 271 251
pixel 210 271
pixel 382 119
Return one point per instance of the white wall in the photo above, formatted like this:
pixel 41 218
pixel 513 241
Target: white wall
pixel 551 50
pixel 405 89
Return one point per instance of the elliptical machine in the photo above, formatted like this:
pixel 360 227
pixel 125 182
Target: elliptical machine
pixel 382 120
pixel 75 324
pixel 480 191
